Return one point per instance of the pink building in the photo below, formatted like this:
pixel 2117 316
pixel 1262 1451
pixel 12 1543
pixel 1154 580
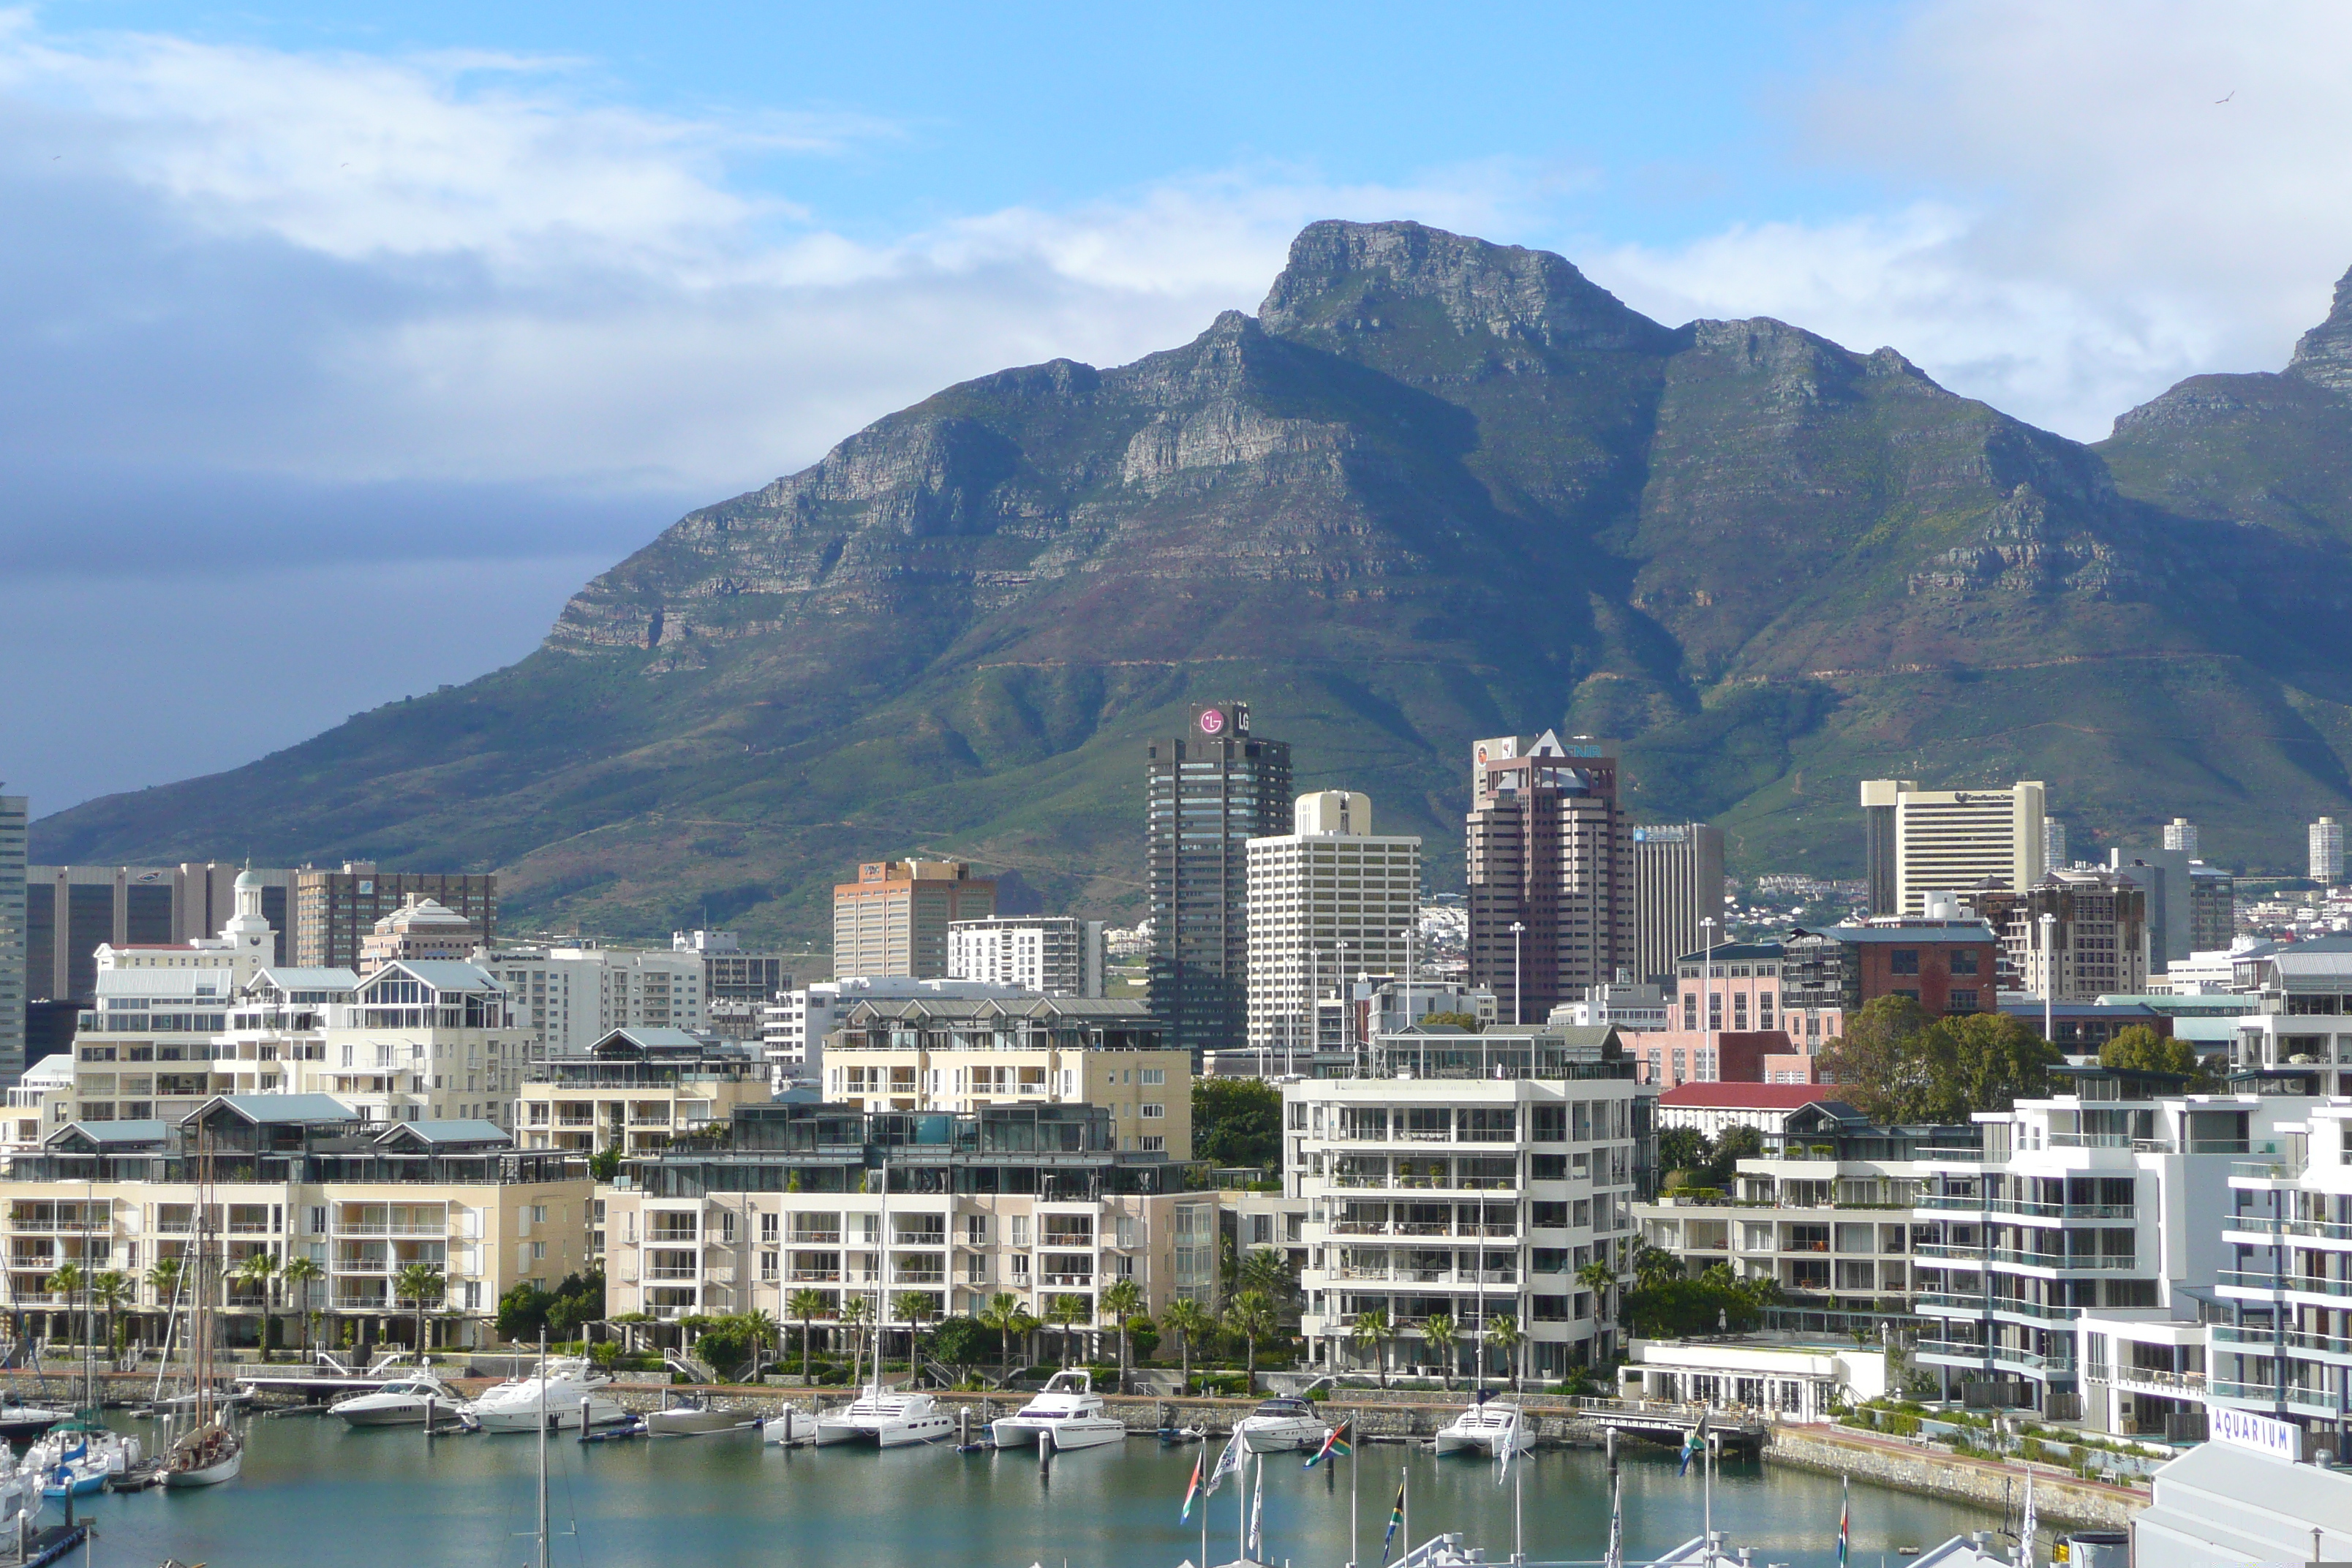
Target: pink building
pixel 1731 1022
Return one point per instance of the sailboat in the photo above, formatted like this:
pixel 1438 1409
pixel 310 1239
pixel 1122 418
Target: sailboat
pixel 211 1450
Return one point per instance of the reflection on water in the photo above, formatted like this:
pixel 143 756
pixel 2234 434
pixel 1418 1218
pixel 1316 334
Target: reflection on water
pixel 315 1492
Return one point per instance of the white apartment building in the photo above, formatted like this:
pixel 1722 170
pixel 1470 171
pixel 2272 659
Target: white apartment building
pixel 568 998
pixel 1470 1176
pixel 1052 955
pixel 1948 841
pixel 1327 902
pixel 15 811
pixel 246 943
pixel 794 1026
pixel 2180 835
pixel 2326 852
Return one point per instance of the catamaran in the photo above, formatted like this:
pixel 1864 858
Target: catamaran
pixel 886 1420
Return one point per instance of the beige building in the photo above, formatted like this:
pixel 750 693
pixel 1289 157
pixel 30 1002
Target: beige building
pixel 335 910
pixel 299 1176
pixel 635 1092
pixel 1030 1200
pixel 961 1054
pixel 894 920
pixel 420 927
pixel 1948 841
pixel 1327 900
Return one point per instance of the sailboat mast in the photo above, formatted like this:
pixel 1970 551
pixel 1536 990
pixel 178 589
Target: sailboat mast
pixel 882 1277
pixel 542 1446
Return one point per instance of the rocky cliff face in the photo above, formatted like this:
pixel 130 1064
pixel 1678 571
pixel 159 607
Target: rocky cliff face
pixel 1435 487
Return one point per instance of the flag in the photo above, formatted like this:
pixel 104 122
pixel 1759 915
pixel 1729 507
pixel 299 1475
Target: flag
pixel 1192 1492
pixel 1339 1440
pixel 1228 1463
pixel 1845 1518
pixel 2025 1527
pixel 1692 1441
pixel 1616 1557
pixel 1396 1517
pixel 1257 1513
pixel 1507 1449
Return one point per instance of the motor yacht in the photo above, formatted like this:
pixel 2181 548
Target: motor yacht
pixel 520 1404
pixel 404 1401
pixel 886 1420
pixel 1490 1429
pixel 695 1418
pixel 789 1427
pixel 1280 1426
pixel 20 1496
pixel 1067 1412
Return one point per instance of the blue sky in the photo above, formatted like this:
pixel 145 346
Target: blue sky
pixel 373 330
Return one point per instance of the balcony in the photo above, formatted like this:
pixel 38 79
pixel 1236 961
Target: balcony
pixel 672 1273
pixel 2264 1225
pixel 816 1276
pixel 1944 1249
pixel 2076 1263
pixel 816 1238
pixel 2111 1140
pixel 2279 1170
pixel 2270 1284
pixel 1960 1350
pixel 1079 1281
pixel 2159 1381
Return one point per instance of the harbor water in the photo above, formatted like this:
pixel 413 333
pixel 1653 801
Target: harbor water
pixel 315 1491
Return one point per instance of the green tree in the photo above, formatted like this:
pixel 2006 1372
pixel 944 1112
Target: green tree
pixel 1236 1121
pixel 1655 1265
pixel 1251 1315
pixel 1504 1333
pixel 422 1286
pixel 1684 1149
pixel 1898 1065
pixel 258 1271
pixel 109 1289
pixel 1121 1300
pixel 1005 1313
pixel 1466 1022
pixel 1439 1330
pixel 914 1306
pixel 1373 1331
pixel 854 1311
pixel 1873 1060
pixel 1065 1312
pixel 605 1165
pixel 1599 1278
pixel 1267 1271
pixel 2141 1049
pixel 298 1274
pixel 163 1280
pixel 1191 1323
pixel 1736 1143
pixel 807 1305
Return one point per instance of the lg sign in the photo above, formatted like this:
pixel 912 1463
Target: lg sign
pixel 1211 721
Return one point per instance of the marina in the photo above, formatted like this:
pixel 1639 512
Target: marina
pixel 315 1489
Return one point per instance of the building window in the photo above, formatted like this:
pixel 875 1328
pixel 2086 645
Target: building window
pixel 1964 961
pixel 1903 959
pixel 1152 1113
pixel 1963 1001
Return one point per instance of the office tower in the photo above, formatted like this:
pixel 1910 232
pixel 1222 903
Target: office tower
pixel 1678 883
pixel 336 911
pixel 2181 834
pixel 1208 793
pixel 1053 955
pixel 70 910
pixel 566 998
pixel 894 920
pixel 2165 876
pixel 2053 845
pixel 2327 851
pixel 1327 900
pixel 1550 851
pixel 2212 908
pixel 1950 841
pixel 16 812
pixel 2098 944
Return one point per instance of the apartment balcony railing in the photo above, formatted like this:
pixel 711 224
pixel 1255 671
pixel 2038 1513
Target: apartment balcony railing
pixel 816 1239
pixel 1072 1280
pixel 1945 1249
pixel 2279 1170
pixel 2306 1284
pixel 375 1232
pixel 668 1236
pixel 816 1276
pixel 1961 1349
pixel 2162 1379
pixel 2111 1140
pixel 2267 1225
pixel 2265 1340
pixel 2072 1263
pixel 2297 1395
pixel 673 1273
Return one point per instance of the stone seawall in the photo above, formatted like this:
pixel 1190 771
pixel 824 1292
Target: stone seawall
pixel 2058 1497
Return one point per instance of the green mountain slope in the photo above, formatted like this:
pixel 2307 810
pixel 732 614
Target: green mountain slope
pixel 1436 490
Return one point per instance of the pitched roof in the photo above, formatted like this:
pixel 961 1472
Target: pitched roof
pixel 280 1108
pixel 459 1131
pixel 444 973
pixel 107 1133
pixel 288 978
pixel 1748 1096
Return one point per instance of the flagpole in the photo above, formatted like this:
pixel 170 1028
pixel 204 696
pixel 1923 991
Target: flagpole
pixel 1706 1487
pixel 1404 1486
pixel 1355 1514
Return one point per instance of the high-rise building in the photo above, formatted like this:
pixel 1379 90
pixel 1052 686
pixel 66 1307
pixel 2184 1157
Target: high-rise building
pixel 334 912
pixel 1327 900
pixel 566 999
pixel 2212 908
pixel 2053 845
pixel 15 811
pixel 2327 851
pixel 2181 834
pixel 894 920
pixel 1551 853
pixel 1053 955
pixel 2097 942
pixel 1677 882
pixel 71 911
pixel 1208 793
pixel 1950 841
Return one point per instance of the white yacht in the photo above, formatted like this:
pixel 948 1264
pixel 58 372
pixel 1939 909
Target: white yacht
pixel 1280 1426
pixel 1066 1412
pixel 1491 1429
pixel 20 1420
pixel 789 1427
pixel 403 1403
pixel 886 1420
pixel 520 1404
pixel 695 1416
pixel 78 1461
pixel 20 1496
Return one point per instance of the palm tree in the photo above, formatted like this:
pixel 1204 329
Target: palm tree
pixel 914 1305
pixel 1190 1322
pixel 1123 1298
pixel 163 1279
pixel 854 1311
pixel 109 1289
pixel 1438 1329
pixel 259 1272
pixel 1267 1271
pixel 422 1284
pixel 761 1331
pixel 1371 1331
pixel 807 1304
pixel 67 1281
pixel 298 1274
pixel 1599 1278
pixel 1653 1266
pixel 1251 1314
pixel 1066 1312
pixel 1002 1312
pixel 1502 1333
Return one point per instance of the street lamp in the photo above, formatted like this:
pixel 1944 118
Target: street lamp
pixel 1517 928
pixel 2049 979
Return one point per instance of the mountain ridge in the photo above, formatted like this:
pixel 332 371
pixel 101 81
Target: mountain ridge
pixel 1435 489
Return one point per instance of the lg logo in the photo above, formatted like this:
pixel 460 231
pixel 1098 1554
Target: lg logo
pixel 1212 722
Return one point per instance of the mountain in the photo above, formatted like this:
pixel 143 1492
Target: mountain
pixel 1435 489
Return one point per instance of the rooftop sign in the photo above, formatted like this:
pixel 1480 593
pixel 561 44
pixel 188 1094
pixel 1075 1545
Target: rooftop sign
pixel 2264 1434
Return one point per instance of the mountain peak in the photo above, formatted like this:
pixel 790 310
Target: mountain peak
pixel 1342 277
pixel 2324 354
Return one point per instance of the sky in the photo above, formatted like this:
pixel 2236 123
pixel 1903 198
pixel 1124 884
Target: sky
pixel 340 344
